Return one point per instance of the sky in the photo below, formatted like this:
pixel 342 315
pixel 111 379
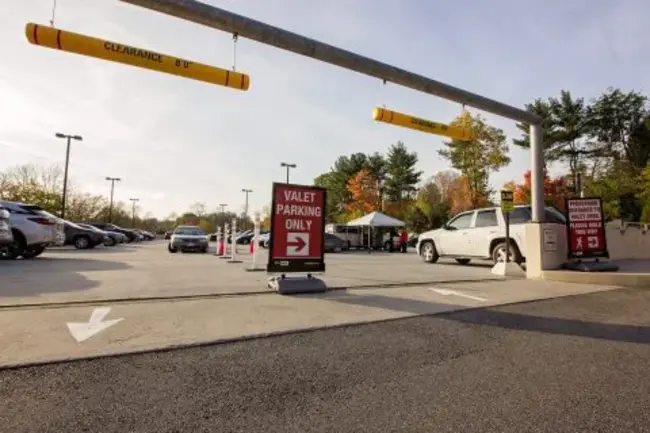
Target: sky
pixel 175 142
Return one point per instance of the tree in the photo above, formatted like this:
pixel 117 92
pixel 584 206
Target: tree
pixel 543 110
pixel 431 207
pixel 198 209
pixel 364 192
pixel 477 158
pixel 33 184
pixel 619 121
pixel 401 176
pixel 555 191
pixel 336 180
pixel 463 198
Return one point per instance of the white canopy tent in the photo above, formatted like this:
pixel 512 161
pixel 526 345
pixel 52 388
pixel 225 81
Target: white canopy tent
pixel 376 219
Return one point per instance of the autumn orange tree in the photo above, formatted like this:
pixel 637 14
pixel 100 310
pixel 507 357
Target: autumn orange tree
pixel 365 194
pixel 463 197
pixel 555 190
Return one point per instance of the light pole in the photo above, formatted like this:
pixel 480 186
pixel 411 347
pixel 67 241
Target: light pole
pixel 67 162
pixel 222 208
pixel 246 191
pixel 112 180
pixel 289 166
pixel 134 201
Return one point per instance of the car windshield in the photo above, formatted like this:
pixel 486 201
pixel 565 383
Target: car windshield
pixel 189 231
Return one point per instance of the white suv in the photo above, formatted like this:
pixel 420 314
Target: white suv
pixel 32 228
pixel 480 234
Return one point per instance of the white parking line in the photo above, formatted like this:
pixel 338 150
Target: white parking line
pixel 446 292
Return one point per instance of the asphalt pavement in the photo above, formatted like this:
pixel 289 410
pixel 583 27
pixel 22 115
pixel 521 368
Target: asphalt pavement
pixel 572 364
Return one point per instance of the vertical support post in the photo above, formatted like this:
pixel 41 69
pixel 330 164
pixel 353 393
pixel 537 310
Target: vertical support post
pixel 65 178
pixel 233 243
pixel 537 173
pixel 256 241
pixel 225 241
pixel 507 215
pixel 217 251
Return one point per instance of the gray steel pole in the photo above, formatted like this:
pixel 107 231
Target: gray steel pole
pixel 65 178
pixel 221 19
pixel 537 173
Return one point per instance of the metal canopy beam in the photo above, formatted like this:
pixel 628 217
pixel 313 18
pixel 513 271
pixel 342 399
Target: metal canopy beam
pixel 220 19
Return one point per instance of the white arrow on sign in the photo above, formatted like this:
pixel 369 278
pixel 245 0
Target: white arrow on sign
pixel 445 292
pixel 96 324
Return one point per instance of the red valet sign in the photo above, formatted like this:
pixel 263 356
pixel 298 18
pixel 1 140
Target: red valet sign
pixel 297 229
pixel 585 228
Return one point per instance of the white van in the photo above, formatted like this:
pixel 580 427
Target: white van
pixel 350 234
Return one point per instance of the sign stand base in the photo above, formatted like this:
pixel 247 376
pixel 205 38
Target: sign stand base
pixel 297 285
pixel 255 269
pixel 591 266
pixel 506 269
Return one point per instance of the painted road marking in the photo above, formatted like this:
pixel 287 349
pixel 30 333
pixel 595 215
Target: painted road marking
pixel 445 292
pixel 96 324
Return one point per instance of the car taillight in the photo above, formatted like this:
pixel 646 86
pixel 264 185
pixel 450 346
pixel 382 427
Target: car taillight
pixel 43 221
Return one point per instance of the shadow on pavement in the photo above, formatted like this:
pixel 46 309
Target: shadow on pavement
pixel 50 275
pixel 555 325
pixel 96 250
pixel 491 316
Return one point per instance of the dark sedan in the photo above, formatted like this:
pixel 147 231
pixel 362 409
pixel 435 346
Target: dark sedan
pixel 334 243
pixel 130 234
pixel 82 238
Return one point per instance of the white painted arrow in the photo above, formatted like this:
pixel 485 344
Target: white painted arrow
pixel 445 292
pixel 96 324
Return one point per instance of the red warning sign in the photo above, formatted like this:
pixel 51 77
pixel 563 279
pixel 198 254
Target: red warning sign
pixel 297 229
pixel 585 228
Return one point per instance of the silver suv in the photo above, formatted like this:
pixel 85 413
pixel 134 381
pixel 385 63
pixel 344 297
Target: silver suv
pixel 33 229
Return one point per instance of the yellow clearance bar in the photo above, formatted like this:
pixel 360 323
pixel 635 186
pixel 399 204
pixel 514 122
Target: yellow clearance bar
pixel 112 51
pixel 412 122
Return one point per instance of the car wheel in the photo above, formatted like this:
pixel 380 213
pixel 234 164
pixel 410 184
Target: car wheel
pixel 170 249
pixel 463 261
pixel 499 253
pixel 428 252
pixel 81 242
pixel 14 249
pixel 31 252
pixel 337 249
pixel 204 250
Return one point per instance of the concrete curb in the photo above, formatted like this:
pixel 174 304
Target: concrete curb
pixel 619 279
pixel 251 337
pixel 65 304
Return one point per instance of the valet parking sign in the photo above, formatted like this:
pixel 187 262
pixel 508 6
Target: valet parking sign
pixel 585 228
pixel 297 229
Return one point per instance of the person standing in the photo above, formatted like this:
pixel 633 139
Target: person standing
pixel 403 240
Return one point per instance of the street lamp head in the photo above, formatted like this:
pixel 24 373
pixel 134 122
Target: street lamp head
pixel 59 135
pixel 77 137
pixel 284 164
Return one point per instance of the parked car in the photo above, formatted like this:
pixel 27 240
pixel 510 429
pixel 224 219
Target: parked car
pixel 188 238
pixel 82 238
pixel 480 234
pixel 6 238
pixel 130 234
pixel 146 236
pixel 335 244
pixel 110 238
pixel 32 228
